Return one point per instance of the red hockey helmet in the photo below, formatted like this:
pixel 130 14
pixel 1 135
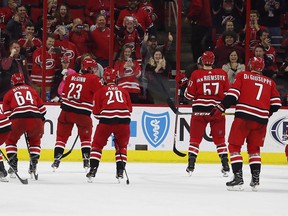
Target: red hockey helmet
pixel 109 75
pixel 17 79
pixel 257 64
pixel 88 63
pixel 208 58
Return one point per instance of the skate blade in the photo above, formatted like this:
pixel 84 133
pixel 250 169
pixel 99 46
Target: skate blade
pixel 255 188
pixel 12 175
pixel 235 188
pixel 225 174
pixel 90 179
pixel 3 179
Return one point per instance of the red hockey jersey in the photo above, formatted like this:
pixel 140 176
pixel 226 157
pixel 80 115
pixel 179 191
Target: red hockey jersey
pixel 256 95
pixel 206 88
pixel 78 93
pixel 112 105
pixel 22 101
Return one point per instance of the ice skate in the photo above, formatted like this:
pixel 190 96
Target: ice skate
pixel 255 180
pixel 91 174
pixel 86 164
pixel 225 167
pixel 55 164
pixel 191 165
pixel 237 183
pixel 33 169
pixel 13 167
pixel 3 173
pixel 119 175
pixel 3 176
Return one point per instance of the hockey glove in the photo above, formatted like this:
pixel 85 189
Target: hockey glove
pixel 217 111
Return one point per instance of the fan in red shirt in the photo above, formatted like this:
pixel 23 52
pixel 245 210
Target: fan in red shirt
pixel 113 110
pixel 26 110
pixel 140 14
pixel 256 98
pixel 100 37
pixel 207 87
pixel 77 105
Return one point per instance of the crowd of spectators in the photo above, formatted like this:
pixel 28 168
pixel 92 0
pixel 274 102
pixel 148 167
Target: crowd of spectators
pixel 77 29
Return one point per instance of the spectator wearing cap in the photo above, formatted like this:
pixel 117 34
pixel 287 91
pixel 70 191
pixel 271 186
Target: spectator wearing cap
pixel 222 52
pixel 140 14
pixel 131 34
pixel 148 47
pixel 80 36
pixel 59 80
pixel 52 58
pixel 50 25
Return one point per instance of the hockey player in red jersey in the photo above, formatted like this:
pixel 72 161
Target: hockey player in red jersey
pixel 77 104
pixel 206 88
pixel 26 111
pixel 256 99
pixel 113 109
pixel 5 128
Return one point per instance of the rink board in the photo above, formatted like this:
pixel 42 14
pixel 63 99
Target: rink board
pixel 152 135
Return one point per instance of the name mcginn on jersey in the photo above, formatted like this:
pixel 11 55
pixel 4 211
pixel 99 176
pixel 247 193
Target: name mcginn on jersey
pixel 78 79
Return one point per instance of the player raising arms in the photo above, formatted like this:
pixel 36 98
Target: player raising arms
pixel 112 108
pixel 26 111
pixel 206 88
pixel 256 99
pixel 77 104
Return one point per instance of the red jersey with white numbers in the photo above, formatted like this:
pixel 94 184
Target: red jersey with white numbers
pixel 78 92
pixel 206 88
pixel 112 105
pixel 256 96
pixel 22 101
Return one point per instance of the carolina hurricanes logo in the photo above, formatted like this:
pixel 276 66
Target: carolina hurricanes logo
pixel 50 63
pixel 69 53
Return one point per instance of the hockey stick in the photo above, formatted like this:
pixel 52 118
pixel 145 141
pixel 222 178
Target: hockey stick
pixel 175 138
pixel 176 111
pixel 28 147
pixel 117 147
pixel 23 181
pixel 72 147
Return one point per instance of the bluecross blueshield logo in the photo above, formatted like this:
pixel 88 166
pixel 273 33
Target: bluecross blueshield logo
pixel 279 130
pixel 155 127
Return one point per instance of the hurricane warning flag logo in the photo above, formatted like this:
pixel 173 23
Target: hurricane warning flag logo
pixel 155 127
pixel 279 130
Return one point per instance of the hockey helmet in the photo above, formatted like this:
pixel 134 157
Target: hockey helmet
pixel 109 75
pixel 88 63
pixel 208 58
pixel 257 64
pixel 17 79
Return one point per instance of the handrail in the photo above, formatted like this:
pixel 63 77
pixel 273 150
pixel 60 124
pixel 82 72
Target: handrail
pixel 172 6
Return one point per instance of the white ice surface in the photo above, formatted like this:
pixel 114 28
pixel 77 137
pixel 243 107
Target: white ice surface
pixel 154 190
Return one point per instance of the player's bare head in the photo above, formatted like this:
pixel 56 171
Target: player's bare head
pixel 256 64
pixel 208 58
pixel 88 65
pixel 17 79
pixel 109 75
